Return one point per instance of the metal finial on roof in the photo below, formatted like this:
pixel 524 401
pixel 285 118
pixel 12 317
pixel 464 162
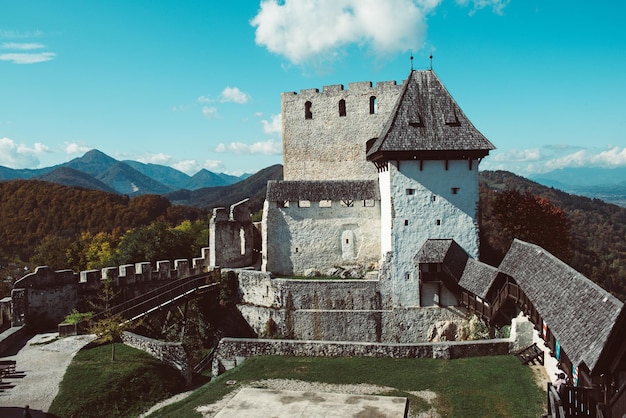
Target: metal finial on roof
pixel 431 61
pixel 411 60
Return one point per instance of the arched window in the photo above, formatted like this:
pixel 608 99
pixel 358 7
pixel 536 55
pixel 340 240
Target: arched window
pixel 373 105
pixel 307 110
pixel 342 107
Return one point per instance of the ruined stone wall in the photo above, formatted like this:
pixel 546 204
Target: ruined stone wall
pixel 317 237
pixel 233 351
pixel 231 236
pixel 172 353
pixel 45 297
pixel 321 144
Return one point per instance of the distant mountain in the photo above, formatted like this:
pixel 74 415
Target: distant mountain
pixel 126 180
pixel 254 187
pixel 608 184
pixel 68 176
pixel 168 176
pixel 124 177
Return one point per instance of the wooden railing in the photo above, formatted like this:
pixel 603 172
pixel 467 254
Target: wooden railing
pixel 617 404
pixel 170 293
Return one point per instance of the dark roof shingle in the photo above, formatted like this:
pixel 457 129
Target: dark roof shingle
pixel 316 191
pixel 580 313
pixel 426 121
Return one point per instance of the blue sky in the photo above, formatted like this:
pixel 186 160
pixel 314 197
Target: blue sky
pixel 197 84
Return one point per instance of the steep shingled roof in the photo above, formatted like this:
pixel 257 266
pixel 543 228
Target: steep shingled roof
pixel 446 252
pixel 478 277
pixel 316 191
pixel 426 122
pixel 579 313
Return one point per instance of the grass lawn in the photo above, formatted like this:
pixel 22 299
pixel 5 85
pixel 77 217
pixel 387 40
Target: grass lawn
pixel 95 386
pixel 474 387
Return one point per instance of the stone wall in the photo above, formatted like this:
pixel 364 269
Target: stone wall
pixel 231 236
pixel 232 351
pixel 429 200
pixel 340 310
pixel 320 236
pixel 43 298
pixel 171 353
pixel 323 144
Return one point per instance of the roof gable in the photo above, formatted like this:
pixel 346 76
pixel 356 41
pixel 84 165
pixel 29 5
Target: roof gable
pixel 580 313
pixel 426 122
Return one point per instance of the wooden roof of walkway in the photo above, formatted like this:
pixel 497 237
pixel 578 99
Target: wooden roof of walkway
pixel 583 317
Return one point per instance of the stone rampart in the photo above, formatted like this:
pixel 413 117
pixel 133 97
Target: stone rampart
pixel 172 353
pixel 231 236
pixel 340 310
pixel 233 351
pixel 43 298
pixel 325 132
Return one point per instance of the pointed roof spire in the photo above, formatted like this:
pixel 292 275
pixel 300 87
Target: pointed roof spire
pixel 426 123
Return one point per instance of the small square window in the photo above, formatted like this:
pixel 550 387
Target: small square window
pixel 455 190
pixel 438 222
pixel 369 203
pixel 410 192
pixel 325 203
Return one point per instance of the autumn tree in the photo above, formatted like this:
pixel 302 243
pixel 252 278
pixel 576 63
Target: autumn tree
pixel 529 218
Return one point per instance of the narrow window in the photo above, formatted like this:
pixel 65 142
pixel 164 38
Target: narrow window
pixel 407 276
pixel 438 222
pixel 296 249
pixel 307 110
pixel 373 105
pixel 455 190
pixel 242 240
pixel 433 198
pixel 342 107
pixel 406 222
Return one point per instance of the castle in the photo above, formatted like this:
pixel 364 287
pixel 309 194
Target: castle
pixel 381 188
pixel 372 173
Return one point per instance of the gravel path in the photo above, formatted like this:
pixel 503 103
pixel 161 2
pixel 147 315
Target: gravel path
pixel 41 364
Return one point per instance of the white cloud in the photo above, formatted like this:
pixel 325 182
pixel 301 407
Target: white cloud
pixel 74 148
pixel 22 46
pixel 160 158
pixel 274 125
pixel 234 95
pixel 191 167
pixel 15 155
pixel 553 157
pixel 309 30
pixel 27 58
pixel 210 112
pixel 270 147
pixel 204 99
pixel 496 5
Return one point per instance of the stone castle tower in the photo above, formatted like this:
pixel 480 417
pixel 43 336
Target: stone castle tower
pixel 371 173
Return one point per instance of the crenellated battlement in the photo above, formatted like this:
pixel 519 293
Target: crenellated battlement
pixel 325 131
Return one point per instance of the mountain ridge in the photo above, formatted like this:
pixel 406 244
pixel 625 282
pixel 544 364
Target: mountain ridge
pixel 128 177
